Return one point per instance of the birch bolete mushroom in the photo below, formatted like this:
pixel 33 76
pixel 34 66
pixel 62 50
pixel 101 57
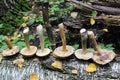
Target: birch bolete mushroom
pixel 63 51
pixel 101 56
pixel 11 50
pixel 84 53
pixel 28 51
pixel 43 51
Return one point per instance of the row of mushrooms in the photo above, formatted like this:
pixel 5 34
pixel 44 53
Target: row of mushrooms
pixel 100 56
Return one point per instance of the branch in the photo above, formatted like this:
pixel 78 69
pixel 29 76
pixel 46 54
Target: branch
pixel 87 7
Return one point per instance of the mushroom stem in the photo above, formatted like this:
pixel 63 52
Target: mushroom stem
pixel 26 37
pixel 95 45
pixel 40 33
pixel 8 42
pixel 84 36
pixel 62 34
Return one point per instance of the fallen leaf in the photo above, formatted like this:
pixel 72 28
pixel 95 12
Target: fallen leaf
pixel 91 68
pixel 34 76
pixel 74 14
pixel 92 21
pixel 1 58
pixel 24 25
pixel 36 59
pixel 20 65
pixel 19 62
pixel 105 30
pixel 15 35
pixel 25 18
pixel 74 71
pixel 57 65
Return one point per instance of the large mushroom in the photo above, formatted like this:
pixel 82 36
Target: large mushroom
pixel 63 51
pixel 101 56
pixel 43 51
pixel 28 51
pixel 84 53
pixel 11 50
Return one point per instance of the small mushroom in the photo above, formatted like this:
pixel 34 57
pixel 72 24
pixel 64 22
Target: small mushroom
pixel 12 50
pixel 63 51
pixel 43 51
pixel 28 51
pixel 101 56
pixel 84 53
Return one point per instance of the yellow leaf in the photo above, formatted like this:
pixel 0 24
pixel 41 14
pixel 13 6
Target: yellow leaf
pixel 91 68
pixel 24 25
pixel 20 65
pixel 1 58
pixel 19 62
pixel 105 30
pixel 57 64
pixel 92 21
pixel 34 76
pixel 74 71
pixel 15 35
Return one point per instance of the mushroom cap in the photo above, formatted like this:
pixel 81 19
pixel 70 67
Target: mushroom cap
pixel 43 53
pixel 11 52
pixel 28 52
pixel 58 53
pixel 111 56
pixel 84 56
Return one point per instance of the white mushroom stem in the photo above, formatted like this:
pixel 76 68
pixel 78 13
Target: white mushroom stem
pixel 8 42
pixel 95 45
pixel 40 33
pixel 62 34
pixel 84 36
pixel 26 37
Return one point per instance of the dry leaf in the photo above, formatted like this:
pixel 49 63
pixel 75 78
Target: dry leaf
pixel 105 30
pixel 91 68
pixel 15 35
pixel 92 21
pixel 74 71
pixel 57 64
pixel 19 62
pixel 34 76
pixel 1 58
pixel 25 18
pixel 74 14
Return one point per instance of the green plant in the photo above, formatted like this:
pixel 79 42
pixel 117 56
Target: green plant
pixel 75 46
pixel 103 46
pixel 59 9
pixel 33 18
pixel 93 14
pixel 16 42
pixel 47 42
pixel 2 43
pixel 108 46
pixel 13 18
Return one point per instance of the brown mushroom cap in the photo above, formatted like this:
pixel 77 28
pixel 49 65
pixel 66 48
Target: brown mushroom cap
pixel 84 56
pixel 11 52
pixel 29 52
pixel 59 53
pixel 111 56
pixel 43 53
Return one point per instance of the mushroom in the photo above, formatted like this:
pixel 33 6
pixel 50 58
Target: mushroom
pixel 43 51
pixel 12 50
pixel 84 53
pixel 63 51
pixel 101 56
pixel 28 51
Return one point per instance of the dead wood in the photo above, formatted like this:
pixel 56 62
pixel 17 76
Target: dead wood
pixel 89 7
